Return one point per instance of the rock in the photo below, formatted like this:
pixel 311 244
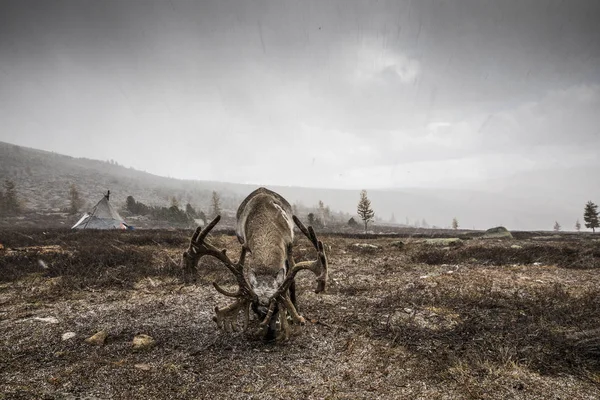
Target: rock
pixel 399 244
pixel 498 232
pixel 445 242
pixel 143 367
pixel 432 275
pixel 142 342
pixel 365 246
pixel 68 335
pixel 516 246
pixel 50 320
pixel 97 339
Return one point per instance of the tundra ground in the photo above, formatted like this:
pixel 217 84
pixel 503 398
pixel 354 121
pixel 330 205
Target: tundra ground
pixel 401 319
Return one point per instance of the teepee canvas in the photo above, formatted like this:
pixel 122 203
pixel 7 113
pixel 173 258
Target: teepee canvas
pixel 102 216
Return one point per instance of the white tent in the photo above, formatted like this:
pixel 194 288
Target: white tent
pixel 102 216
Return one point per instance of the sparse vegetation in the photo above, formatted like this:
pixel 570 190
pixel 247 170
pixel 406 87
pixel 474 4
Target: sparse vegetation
pixel 464 321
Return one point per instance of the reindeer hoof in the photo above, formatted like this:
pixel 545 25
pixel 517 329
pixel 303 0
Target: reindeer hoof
pixel 282 337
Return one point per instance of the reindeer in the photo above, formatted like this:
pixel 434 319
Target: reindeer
pixel 267 284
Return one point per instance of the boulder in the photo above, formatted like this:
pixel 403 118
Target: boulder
pixel 498 232
pixel 97 339
pixel 444 242
pixel 142 342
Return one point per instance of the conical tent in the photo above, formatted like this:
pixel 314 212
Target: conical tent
pixel 103 216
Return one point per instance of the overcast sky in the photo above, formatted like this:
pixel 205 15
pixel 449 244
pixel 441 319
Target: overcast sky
pixel 343 94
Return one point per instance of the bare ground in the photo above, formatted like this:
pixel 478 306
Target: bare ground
pixel 482 320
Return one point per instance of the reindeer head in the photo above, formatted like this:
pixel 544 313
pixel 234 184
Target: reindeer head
pixel 265 287
pixel 263 292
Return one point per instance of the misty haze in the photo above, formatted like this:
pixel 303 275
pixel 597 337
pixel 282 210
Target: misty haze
pixel 442 152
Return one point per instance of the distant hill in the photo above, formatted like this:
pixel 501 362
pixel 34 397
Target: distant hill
pixel 523 202
pixel 43 180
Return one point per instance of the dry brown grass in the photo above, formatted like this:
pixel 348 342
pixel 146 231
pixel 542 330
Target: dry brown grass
pixel 475 321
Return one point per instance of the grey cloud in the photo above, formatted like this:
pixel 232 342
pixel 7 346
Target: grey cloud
pixel 345 89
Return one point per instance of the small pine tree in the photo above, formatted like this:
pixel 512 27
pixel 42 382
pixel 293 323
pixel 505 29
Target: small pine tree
pixel 202 216
pixel 577 226
pixel 215 205
pixel 364 210
pixel 131 205
pixel 311 219
pixel 352 223
pixel 556 226
pixel 590 216
pixel 75 200
pixel 189 210
pixel 319 223
pixel 321 208
pixel 10 202
pixel 326 214
pixel 454 223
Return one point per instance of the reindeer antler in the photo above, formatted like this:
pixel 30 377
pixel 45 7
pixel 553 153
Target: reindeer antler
pixel 225 318
pixel 318 266
pixel 281 296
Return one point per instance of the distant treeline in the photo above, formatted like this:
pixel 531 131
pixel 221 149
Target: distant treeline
pixel 172 214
